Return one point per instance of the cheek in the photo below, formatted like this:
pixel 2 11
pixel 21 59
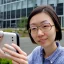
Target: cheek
pixel 33 36
pixel 51 35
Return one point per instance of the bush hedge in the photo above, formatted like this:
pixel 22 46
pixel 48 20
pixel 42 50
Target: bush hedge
pixel 5 61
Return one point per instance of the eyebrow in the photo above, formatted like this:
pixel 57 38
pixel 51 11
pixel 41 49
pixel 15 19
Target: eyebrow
pixel 45 21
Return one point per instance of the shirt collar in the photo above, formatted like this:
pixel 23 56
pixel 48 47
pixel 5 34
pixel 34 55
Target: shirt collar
pixel 53 57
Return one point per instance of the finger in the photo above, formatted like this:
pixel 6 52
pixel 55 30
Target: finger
pixel 14 62
pixel 18 49
pixel 2 55
pixel 9 47
pixel 1 51
pixel 13 53
pixel 20 61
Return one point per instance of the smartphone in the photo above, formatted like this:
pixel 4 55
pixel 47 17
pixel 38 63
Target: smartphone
pixel 8 38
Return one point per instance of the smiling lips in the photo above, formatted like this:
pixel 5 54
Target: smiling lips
pixel 42 40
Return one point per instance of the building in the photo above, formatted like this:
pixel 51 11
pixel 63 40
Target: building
pixel 12 11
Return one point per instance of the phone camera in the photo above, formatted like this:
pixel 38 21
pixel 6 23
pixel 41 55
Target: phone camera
pixel 12 39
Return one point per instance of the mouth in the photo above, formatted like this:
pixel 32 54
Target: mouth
pixel 42 40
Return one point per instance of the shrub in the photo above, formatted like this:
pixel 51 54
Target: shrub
pixel 5 61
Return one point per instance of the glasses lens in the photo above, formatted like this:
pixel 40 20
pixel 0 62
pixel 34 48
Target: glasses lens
pixel 46 27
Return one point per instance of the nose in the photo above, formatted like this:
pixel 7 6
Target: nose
pixel 40 33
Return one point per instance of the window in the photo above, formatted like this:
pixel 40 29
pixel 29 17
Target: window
pixel 29 10
pixel 4 24
pixel 24 4
pixel 8 14
pixel 13 6
pixel 8 1
pixel 23 12
pixel 1 12
pixel 5 8
pixel 30 3
pixel 62 21
pixel 4 15
pixel 18 13
pixel 18 5
pixel 8 7
pixel 4 1
pixel 13 14
pixel 8 24
pixel 59 9
pixel 13 0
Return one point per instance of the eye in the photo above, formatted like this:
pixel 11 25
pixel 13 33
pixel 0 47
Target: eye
pixel 33 28
pixel 45 26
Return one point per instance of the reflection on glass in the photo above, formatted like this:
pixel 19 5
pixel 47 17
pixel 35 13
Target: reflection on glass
pixel 8 7
pixel 62 21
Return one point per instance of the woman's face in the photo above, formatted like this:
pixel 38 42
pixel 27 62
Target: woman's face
pixel 43 30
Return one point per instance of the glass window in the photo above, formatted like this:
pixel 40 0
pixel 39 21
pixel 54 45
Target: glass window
pixel 1 15
pixel 13 0
pixel 1 8
pixel 18 5
pixel 18 13
pixel 29 11
pixel 5 8
pixel 13 14
pixel 62 21
pixel 8 1
pixel 13 23
pixel 30 3
pixel 59 9
pixel 4 15
pixel 8 7
pixel 4 24
pixel 8 14
pixel 44 2
pixel 13 6
pixel 1 24
pixel 1 1
pixel 18 23
pixel 8 24
pixel 61 1
pixel 5 1
pixel 23 12
pixel 1 12
pixel 24 4
pixel 52 1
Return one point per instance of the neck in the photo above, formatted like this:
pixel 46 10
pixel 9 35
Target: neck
pixel 50 49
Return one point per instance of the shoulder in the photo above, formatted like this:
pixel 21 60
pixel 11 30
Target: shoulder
pixel 32 56
pixel 61 55
pixel 62 51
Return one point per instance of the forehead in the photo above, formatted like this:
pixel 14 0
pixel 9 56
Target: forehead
pixel 41 18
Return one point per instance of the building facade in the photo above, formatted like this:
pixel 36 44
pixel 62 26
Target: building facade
pixel 12 11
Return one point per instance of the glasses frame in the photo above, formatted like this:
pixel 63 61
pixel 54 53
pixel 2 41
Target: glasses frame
pixel 38 27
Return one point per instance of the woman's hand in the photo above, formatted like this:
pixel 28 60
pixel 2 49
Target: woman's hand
pixel 2 54
pixel 17 58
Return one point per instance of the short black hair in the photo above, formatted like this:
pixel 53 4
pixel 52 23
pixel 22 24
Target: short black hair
pixel 50 11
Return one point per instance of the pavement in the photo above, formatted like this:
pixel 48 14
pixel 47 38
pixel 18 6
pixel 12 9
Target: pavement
pixel 27 46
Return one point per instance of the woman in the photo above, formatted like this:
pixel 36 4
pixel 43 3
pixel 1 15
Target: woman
pixel 44 29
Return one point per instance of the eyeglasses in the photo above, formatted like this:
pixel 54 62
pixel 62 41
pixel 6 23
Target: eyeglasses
pixel 43 27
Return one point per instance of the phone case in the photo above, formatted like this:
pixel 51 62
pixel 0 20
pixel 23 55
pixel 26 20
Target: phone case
pixel 8 38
